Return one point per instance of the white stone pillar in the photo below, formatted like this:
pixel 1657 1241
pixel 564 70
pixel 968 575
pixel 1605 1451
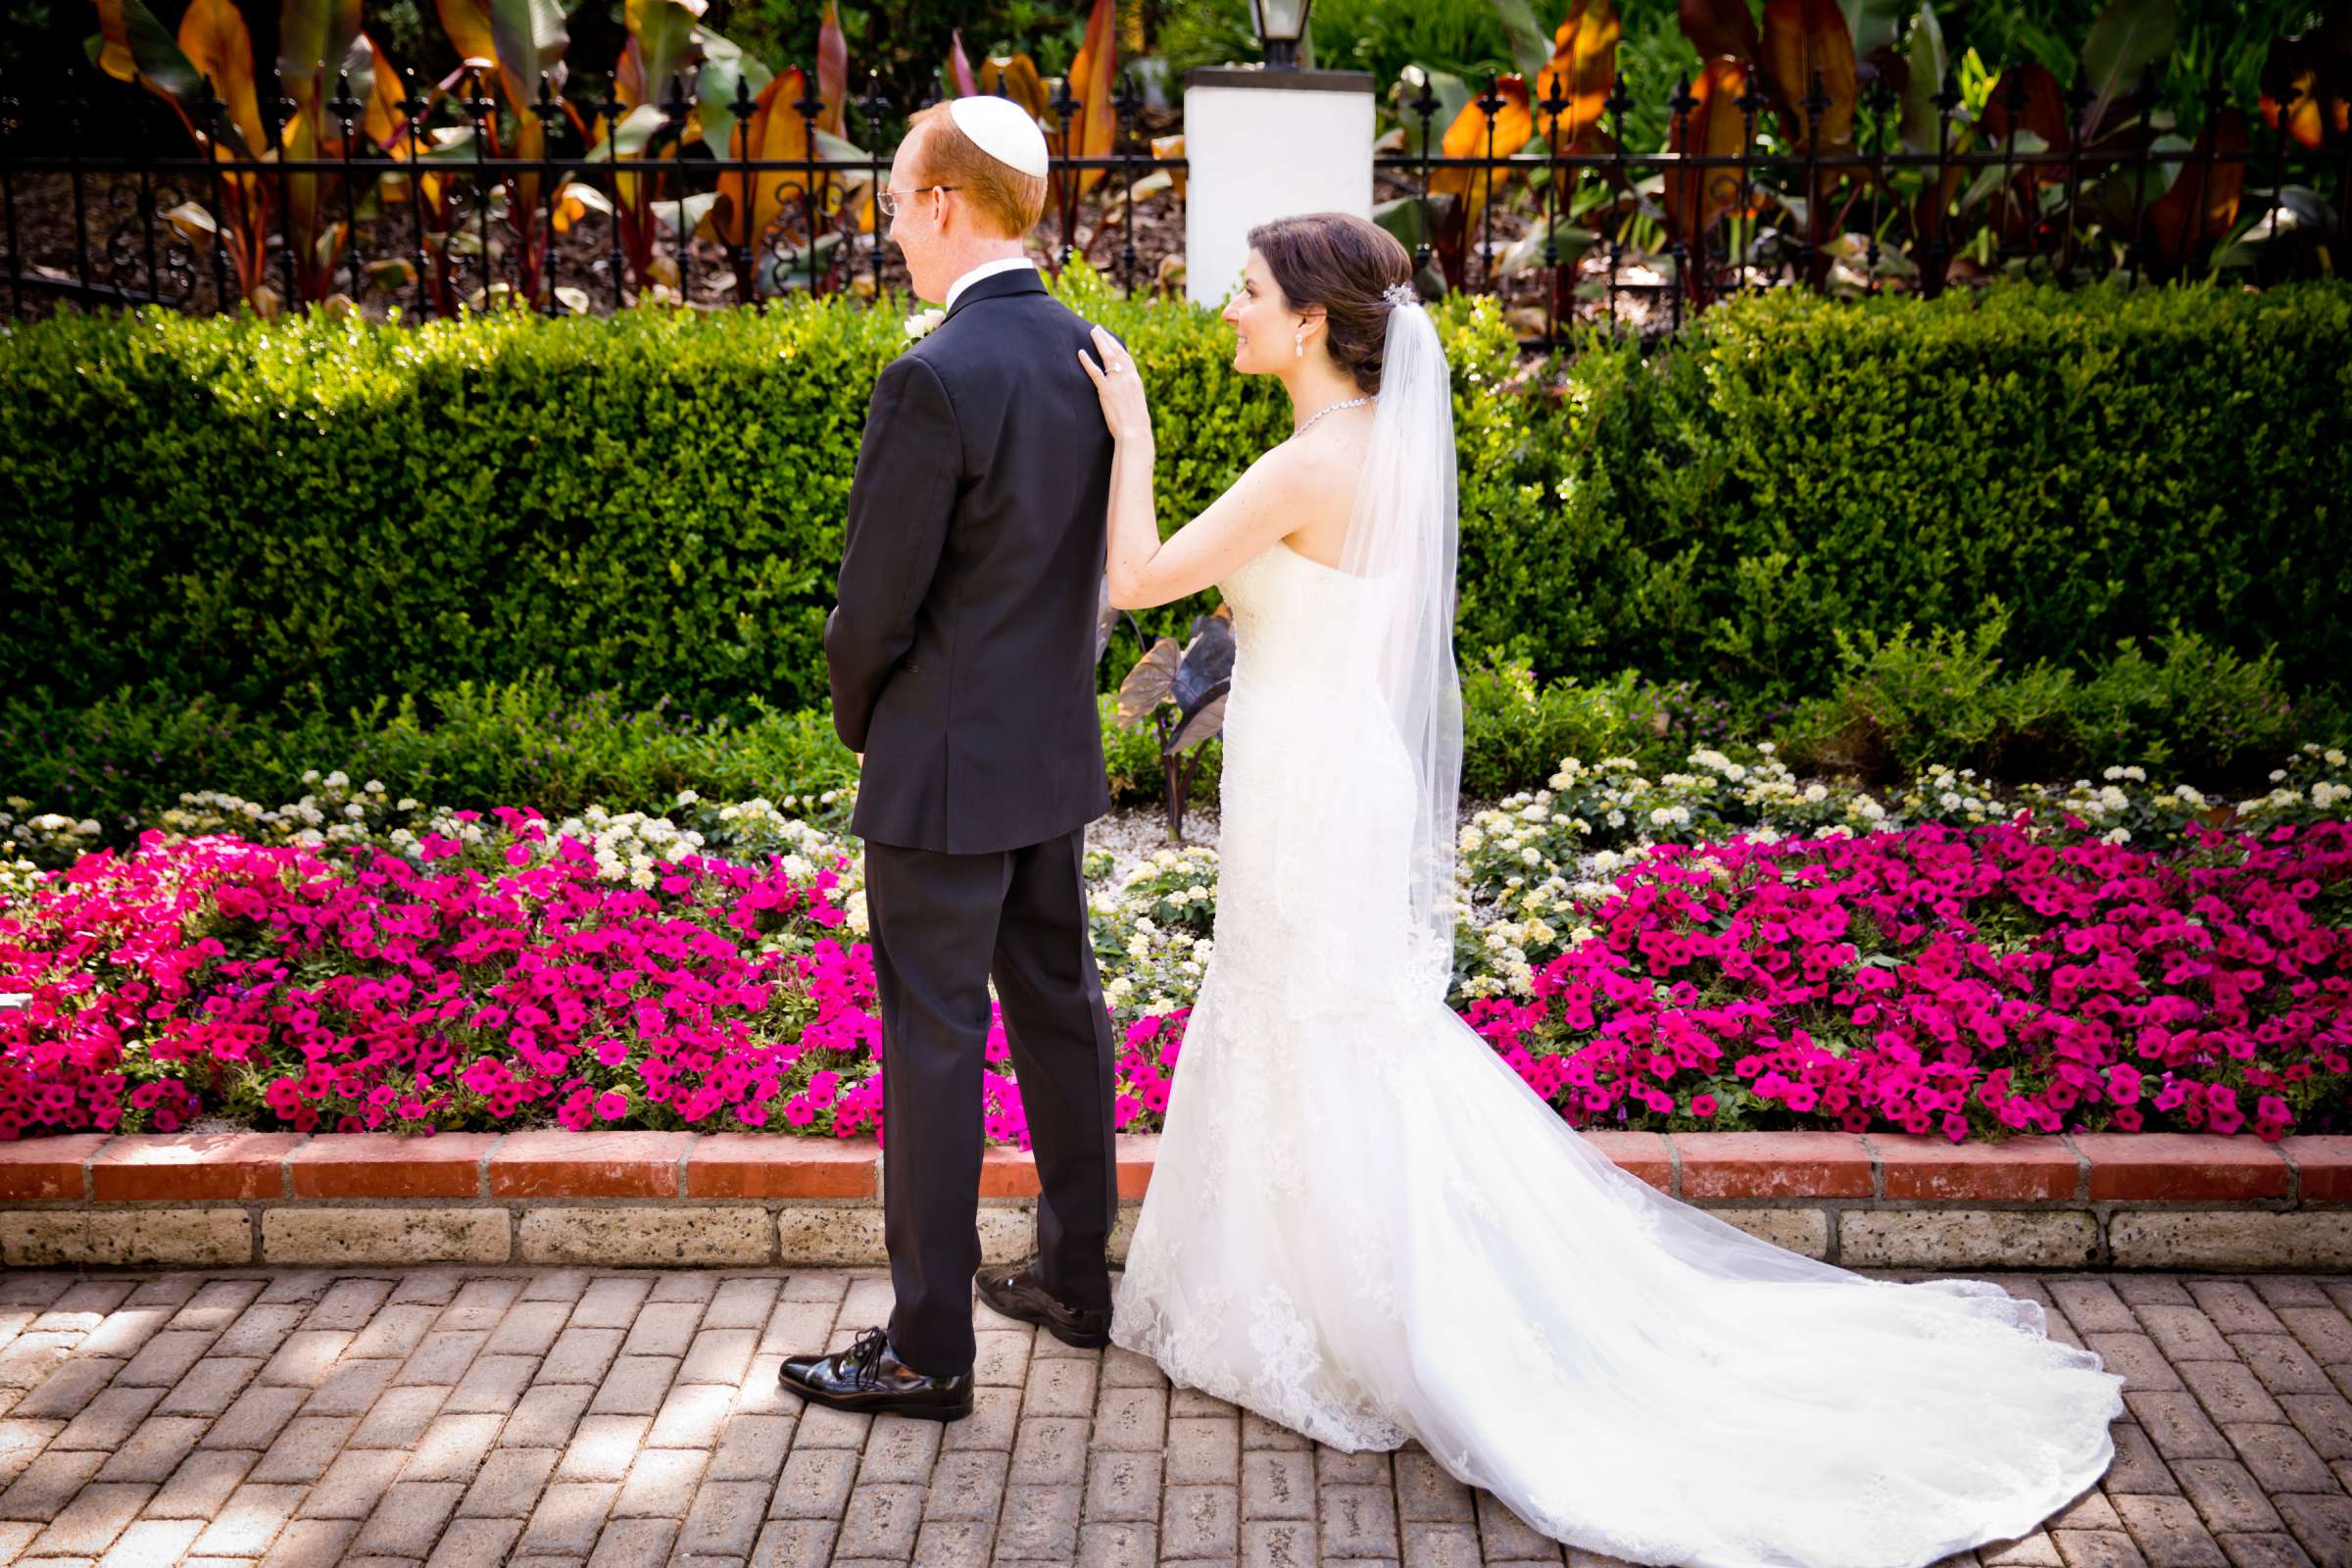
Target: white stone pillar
pixel 1261 144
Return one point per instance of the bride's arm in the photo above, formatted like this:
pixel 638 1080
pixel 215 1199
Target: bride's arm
pixel 1142 569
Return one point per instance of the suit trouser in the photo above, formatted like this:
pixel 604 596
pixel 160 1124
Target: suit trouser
pixel 941 925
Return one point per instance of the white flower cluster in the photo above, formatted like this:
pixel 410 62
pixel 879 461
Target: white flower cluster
pixel 1157 970
pixel 57 838
pixel 2123 807
pixel 633 847
pixel 746 829
pixel 1172 879
pixel 1956 799
pixel 2309 789
pixel 1152 930
pixel 333 813
pixel 18 876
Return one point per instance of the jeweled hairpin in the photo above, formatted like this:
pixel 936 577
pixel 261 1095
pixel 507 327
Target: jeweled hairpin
pixel 1401 294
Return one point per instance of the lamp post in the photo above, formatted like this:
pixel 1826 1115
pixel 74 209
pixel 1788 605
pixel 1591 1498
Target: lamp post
pixel 1281 25
pixel 1322 121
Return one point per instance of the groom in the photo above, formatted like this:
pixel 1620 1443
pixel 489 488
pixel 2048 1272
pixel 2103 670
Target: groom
pixel 962 657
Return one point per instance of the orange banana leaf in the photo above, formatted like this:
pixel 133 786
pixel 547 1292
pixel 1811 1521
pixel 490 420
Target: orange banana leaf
pixel 1583 65
pixel 1802 38
pixel 1016 77
pixel 1719 28
pixel 1696 197
pixel 775 132
pixel 832 70
pixel 1466 137
pixel 382 121
pixel 2307 118
pixel 214 38
pixel 2306 82
pixel 1094 128
pixel 2203 201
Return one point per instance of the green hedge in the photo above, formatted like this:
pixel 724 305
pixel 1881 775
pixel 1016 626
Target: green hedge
pixel 318 512
pixel 2101 462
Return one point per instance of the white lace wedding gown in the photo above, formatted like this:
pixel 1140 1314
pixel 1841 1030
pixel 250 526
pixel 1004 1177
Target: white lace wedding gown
pixel 1362 1225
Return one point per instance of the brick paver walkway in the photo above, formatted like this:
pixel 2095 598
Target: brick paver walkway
pixel 563 1417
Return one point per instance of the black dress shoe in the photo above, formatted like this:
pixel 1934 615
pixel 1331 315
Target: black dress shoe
pixel 1016 1293
pixel 868 1376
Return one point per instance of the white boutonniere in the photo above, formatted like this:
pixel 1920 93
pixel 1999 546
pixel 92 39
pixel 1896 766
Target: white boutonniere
pixel 922 322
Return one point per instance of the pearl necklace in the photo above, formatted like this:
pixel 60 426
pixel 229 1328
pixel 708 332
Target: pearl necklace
pixel 1348 403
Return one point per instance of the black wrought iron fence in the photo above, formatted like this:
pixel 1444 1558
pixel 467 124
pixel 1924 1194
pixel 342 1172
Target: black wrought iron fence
pixel 1533 198
pixel 1545 206
pixel 437 215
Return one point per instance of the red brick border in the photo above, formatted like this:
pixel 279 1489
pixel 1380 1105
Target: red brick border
pixel 564 1164
pixel 375 1165
pixel 216 1167
pixel 192 1166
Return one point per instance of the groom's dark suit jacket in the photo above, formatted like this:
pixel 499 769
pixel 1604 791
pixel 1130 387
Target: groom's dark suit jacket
pixel 961 652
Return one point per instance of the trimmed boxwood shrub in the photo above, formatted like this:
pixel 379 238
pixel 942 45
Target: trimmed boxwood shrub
pixel 2102 462
pixel 316 512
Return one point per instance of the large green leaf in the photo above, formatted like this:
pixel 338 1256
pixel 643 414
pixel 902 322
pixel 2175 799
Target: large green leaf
pixel 1871 23
pixel 664 30
pixel 835 149
pixel 1411 219
pixel 1531 41
pixel 2129 36
pixel 312 34
pixel 1990 175
pixel 631 134
pixel 1569 241
pixel 522 39
pixel 138 47
pixel 531 41
pixel 1926 64
pixel 1451 92
pixel 689 210
pixel 725 68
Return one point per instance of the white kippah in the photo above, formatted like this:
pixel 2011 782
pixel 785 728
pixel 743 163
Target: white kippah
pixel 1003 130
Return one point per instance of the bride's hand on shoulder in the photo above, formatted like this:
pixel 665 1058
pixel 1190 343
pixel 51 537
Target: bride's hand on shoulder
pixel 1119 385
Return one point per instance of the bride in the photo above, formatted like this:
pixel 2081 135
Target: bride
pixel 1361 1223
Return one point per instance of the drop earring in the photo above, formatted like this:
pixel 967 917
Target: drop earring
pixel 1299 342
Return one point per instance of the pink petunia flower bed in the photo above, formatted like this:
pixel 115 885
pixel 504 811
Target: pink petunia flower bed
pixel 348 989
pixel 1957 982
pixel 1934 980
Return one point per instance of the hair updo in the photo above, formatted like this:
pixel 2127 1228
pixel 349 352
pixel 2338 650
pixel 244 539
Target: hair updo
pixel 1347 265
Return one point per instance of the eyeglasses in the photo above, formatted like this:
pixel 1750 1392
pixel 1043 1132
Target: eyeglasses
pixel 888 200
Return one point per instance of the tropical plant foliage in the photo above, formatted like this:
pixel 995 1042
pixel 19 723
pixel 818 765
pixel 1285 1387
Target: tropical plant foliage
pixel 494 165
pixel 1180 689
pixel 1845 146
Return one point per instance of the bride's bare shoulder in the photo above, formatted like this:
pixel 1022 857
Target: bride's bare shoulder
pixel 1309 471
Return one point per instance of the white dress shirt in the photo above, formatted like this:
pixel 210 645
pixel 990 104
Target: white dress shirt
pixel 1003 264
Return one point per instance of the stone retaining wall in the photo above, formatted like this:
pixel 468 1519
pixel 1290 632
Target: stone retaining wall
pixel 1872 1200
